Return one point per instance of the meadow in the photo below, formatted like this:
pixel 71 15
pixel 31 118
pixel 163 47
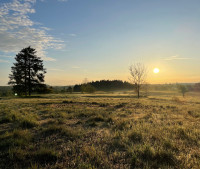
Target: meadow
pixel 101 130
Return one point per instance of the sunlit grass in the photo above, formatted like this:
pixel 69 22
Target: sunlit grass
pixel 104 130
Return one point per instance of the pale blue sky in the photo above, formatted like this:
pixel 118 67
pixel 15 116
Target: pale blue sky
pixel 100 39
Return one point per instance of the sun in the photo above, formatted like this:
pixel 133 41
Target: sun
pixel 156 70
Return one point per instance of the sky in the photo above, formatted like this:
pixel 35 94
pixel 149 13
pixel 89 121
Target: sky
pixel 100 39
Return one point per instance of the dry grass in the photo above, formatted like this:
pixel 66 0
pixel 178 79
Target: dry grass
pixel 100 131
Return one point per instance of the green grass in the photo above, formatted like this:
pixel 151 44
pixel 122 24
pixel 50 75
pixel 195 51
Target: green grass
pixel 104 130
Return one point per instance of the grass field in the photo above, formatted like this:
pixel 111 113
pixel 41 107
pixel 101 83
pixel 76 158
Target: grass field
pixel 100 131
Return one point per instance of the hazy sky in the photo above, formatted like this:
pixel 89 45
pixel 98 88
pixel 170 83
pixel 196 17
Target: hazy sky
pixel 100 39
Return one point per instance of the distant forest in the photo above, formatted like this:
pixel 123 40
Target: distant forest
pixel 105 85
pixel 118 85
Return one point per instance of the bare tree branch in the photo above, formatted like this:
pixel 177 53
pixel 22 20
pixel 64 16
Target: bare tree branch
pixel 138 76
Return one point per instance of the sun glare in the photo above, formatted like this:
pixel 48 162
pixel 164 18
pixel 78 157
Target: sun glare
pixel 156 70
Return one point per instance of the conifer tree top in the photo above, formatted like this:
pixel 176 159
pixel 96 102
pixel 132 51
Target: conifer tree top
pixel 28 71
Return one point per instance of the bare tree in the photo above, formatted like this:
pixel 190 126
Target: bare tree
pixel 138 76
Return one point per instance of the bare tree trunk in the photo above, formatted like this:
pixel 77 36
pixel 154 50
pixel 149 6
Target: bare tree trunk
pixel 138 76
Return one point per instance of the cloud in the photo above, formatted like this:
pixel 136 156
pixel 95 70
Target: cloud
pixel 176 57
pixel 17 30
pixel 6 56
pixel 73 34
pixel 32 1
pixel 56 0
pixel 4 61
pixel 76 67
pixel 45 28
pixel 52 69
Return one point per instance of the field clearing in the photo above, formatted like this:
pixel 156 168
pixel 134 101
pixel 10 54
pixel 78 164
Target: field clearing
pixel 102 130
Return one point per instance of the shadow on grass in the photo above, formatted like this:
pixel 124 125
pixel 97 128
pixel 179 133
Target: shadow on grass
pixel 108 96
pixel 31 97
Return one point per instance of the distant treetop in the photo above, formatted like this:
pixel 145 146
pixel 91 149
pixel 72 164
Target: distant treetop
pixel 106 85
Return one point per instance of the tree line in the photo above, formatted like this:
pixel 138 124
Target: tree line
pixel 28 72
pixel 104 85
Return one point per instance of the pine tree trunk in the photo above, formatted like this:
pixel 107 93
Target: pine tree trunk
pixel 25 77
pixel 29 78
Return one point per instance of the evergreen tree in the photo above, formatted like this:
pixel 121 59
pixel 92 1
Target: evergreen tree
pixel 27 73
